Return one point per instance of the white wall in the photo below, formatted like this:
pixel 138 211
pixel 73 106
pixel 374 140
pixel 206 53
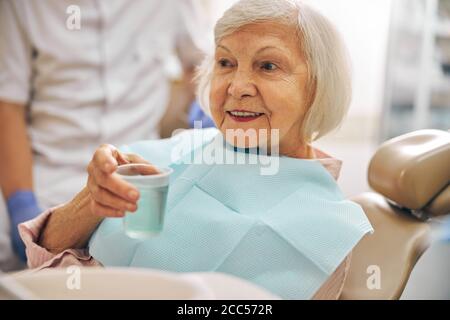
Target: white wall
pixel 364 25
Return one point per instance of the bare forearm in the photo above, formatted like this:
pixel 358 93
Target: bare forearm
pixel 16 168
pixel 70 226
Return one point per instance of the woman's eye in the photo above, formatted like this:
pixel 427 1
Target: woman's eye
pixel 224 63
pixel 269 66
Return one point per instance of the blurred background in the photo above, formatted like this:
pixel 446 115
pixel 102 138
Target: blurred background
pixel 400 50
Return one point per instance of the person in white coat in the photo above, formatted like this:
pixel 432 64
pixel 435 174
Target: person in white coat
pixel 73 77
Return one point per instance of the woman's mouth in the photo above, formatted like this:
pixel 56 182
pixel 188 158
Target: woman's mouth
pixel 244 116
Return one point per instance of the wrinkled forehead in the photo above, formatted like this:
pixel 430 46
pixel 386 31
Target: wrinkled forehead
pixel 253 37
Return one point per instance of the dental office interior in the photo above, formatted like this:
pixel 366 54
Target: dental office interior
pixel 394 144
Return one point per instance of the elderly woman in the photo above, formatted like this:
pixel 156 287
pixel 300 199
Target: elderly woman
pixel 279 67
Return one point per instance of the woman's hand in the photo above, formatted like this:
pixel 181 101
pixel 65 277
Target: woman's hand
pixel 106 195
pixel 111 196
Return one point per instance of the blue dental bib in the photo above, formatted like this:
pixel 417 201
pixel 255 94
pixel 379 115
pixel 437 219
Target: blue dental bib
pixel 286 232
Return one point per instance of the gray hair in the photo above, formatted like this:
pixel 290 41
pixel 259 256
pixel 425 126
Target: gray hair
pixel 326 57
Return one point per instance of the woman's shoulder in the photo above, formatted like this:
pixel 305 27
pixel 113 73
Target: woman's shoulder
pixel 331 164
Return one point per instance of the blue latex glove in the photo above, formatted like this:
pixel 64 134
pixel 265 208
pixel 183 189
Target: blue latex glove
pixel 446 230
pixel 22 206
pixel 197 114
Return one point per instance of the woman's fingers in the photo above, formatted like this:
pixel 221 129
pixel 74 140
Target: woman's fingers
pixel 147 169
pixel 112 195
pixel 134 158
pixel 106 158
pixel 116 185
pixel 104 211
pixel 144 170
pixel 108 199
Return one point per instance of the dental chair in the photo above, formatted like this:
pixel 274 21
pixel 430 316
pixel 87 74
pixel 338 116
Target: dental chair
pixel 410 176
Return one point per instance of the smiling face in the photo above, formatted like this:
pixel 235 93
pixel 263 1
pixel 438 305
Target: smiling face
pixel 260 82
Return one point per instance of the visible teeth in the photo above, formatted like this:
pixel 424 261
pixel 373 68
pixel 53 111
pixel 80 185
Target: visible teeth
pixel 245 114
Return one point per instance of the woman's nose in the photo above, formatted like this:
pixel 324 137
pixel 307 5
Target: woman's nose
pixel 242 86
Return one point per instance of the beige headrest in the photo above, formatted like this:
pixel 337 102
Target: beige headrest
pixel 413 170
